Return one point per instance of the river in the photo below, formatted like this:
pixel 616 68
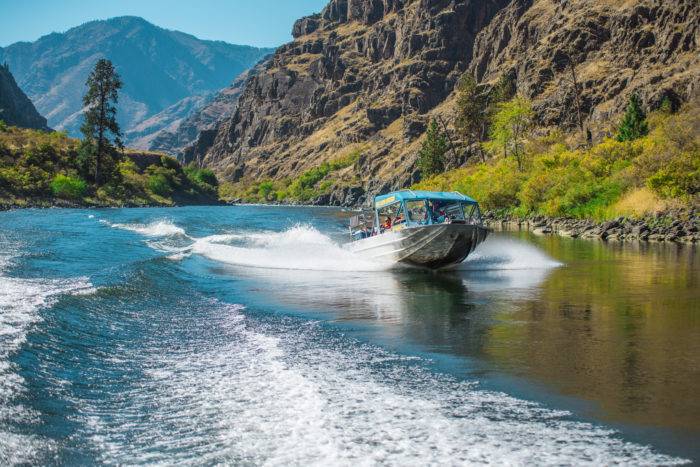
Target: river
pixel 247 335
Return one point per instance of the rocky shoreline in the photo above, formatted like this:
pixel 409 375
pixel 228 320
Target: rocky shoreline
pixel 676 226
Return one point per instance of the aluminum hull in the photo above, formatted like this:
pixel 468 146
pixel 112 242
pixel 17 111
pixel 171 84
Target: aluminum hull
pixel 430 246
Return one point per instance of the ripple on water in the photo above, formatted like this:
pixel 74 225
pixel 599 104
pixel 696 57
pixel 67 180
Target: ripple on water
pixel 283 393
pixel 20 303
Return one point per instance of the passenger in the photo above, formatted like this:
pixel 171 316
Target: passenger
pixel 441 217
pixel 399 219
pixel 387 223
pixel 437 213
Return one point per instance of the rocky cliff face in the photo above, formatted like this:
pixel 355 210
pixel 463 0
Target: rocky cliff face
pixel 15 107
pixel 364 76
pixel 159 68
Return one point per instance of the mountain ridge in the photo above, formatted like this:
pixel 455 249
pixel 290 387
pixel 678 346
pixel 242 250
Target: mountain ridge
pixel 159 67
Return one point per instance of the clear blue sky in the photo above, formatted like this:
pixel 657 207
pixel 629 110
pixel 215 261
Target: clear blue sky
pixel 263 23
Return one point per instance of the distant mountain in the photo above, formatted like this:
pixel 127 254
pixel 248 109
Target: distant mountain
pixel 15 107
pixel 206 112
pixel 159 68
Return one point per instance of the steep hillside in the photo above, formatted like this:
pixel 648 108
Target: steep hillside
pixel 362 78
pixel 15 107
pixel 176 132
pixel 159 68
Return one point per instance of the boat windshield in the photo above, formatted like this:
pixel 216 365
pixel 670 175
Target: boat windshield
pixel 393 214
pixel 390 216
pixel 417 211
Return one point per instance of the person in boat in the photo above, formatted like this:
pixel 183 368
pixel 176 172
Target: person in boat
pixel 439 214
pixel 387 224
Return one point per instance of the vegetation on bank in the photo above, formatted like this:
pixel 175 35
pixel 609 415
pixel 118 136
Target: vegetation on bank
pixel 39 168
pixel 646 164
pixel 310 185
pixel 649 163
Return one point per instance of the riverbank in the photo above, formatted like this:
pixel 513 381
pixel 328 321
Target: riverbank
pixel 8 205
pixel 48 169
pixel 675 225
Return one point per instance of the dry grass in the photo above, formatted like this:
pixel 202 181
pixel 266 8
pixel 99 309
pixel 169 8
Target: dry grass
pixel 639 202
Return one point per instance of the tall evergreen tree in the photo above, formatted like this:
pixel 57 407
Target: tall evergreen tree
pixel 431 158
pixel 101 129
pixel 470 109
pixel 504 90
pixel 634 123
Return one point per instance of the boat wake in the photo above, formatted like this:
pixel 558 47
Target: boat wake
pixel 21 300
pixel 272 393
pixel 498 253
pixel 161 228
pixel 303 247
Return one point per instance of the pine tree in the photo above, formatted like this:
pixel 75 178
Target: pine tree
pixel 634 124
pixel 431 158
pixel 100 128
pixel 504 89
pixel 470 110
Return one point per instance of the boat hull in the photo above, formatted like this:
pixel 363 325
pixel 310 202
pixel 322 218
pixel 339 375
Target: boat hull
pixel 430 246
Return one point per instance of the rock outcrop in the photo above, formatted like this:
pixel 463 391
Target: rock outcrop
pixel 15 107
pixel 365 76
pixel 159 68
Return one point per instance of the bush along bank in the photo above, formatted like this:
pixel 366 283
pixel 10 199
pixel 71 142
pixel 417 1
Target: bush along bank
pixel 47 169
pixel 642 181
pixel 680 225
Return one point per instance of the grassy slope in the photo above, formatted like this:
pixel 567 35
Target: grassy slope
pixel 42 169
pixel 609 179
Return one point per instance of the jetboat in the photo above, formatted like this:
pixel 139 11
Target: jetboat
pixel 421 228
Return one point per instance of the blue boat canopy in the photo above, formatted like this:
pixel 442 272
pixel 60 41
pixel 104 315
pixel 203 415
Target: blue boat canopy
pixel 406 195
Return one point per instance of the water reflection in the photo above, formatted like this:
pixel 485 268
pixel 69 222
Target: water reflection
pixel 620 325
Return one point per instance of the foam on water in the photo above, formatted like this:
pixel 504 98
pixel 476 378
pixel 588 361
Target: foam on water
pixel 20 302
pixel 160 228
pixel 498 253
pixel 301 247
pixel 284 394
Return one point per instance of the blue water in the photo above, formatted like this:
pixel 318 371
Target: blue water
pixel 247 335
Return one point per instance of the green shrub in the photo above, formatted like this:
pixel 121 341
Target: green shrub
pixel 265 189
pixel 170 163
pixel 201 177
pixel 159 184
pixel 678 179
pixel 3 126
pixel 65 186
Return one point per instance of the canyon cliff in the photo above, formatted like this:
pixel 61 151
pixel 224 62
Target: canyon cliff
pixel 362 78
pixel 15 107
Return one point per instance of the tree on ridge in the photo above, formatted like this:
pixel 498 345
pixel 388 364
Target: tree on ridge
pixel 100 128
